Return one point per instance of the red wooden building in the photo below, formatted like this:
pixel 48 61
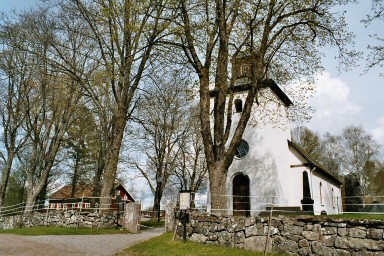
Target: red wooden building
pixel 62 200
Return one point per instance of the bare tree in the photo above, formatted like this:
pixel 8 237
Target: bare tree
pixel 376 56
pixel 279 37
pixel 332 150
pixel 191 171
pixel 15 73
pixel 163 124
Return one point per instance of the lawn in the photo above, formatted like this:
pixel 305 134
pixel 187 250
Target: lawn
pixel 359 216
pixel 151 224
pixel 164 246
pixel 39 231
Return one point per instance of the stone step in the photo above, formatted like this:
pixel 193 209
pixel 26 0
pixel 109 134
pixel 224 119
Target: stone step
pixel 284 208
pixel 281 210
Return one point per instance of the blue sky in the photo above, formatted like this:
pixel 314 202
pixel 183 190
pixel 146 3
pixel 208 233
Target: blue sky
pixel 346 98
pixel 351 98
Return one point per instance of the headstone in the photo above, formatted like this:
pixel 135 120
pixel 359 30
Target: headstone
pixel 170 220
pixel 131 221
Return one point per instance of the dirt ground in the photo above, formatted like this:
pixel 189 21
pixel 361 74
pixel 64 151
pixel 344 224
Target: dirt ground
pixel 71 245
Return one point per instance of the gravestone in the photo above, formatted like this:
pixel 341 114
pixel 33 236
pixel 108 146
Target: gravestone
pixel 170 220
pixel 131 221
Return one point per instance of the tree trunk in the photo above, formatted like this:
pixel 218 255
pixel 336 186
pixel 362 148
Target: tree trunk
pixel 192 204
pixel 75 174
pixel 98 173
pixel 218 178
pixel 157 200
pixel 42 195
pixel 112 161
pixel 30 202
pixel 5 178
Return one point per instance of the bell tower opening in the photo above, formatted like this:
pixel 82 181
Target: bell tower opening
pixel 238 105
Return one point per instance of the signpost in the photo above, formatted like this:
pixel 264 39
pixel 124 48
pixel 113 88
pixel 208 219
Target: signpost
pixel 185 202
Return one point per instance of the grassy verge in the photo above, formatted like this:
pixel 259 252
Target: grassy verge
pixel 39 231
pixel 164 246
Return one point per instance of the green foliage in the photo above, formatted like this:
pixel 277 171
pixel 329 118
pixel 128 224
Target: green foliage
pixel 40 231
pixel 16 188
pixel 164 245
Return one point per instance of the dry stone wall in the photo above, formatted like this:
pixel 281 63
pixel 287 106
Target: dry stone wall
pixel 60 218
pixel 311 235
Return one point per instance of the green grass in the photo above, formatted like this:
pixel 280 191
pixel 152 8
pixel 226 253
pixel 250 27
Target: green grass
pixel 39 231
pixel 164 246
pixel 358 216
pixel 151 224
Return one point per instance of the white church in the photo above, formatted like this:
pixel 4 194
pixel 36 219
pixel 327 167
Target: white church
pixel 268 167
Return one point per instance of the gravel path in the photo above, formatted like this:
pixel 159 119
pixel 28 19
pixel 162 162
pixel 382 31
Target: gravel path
pixel 103 245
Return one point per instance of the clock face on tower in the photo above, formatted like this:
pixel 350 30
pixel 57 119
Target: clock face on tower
pixel 242 150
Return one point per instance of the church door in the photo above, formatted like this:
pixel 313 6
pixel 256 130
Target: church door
pixel 241 205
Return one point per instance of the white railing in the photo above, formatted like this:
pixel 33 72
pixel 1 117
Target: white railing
pixel 78 204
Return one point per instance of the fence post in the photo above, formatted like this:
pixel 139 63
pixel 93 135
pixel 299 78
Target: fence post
pixel 269 227
pixel 46 214
pixel 79 215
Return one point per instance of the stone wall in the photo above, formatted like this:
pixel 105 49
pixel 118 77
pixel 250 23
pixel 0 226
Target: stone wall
pixel 69 218
pixel 312 235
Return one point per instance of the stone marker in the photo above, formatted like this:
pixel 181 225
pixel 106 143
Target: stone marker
pixel 131 220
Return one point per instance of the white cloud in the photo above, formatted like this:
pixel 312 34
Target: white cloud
pixel 378 132
pixel 332 105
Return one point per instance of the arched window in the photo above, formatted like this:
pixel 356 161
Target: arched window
pixel 321 194
pixel 238 105
pixel 333 199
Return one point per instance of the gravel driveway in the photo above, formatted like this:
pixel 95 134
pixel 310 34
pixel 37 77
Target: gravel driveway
pixel 72 245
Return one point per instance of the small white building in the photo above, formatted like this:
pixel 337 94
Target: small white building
pixel 269 167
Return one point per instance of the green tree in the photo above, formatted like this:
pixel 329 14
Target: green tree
pixel 281 40
pixel 81 142
pixel 16 193
pixel 124 33
pixel 359 150
pixel 310 141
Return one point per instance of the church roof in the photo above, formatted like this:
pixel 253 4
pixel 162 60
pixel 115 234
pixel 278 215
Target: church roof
pixel 313 163
pixel 243 84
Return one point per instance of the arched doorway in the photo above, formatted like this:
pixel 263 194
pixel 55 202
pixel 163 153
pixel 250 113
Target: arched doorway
pixel 241 205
